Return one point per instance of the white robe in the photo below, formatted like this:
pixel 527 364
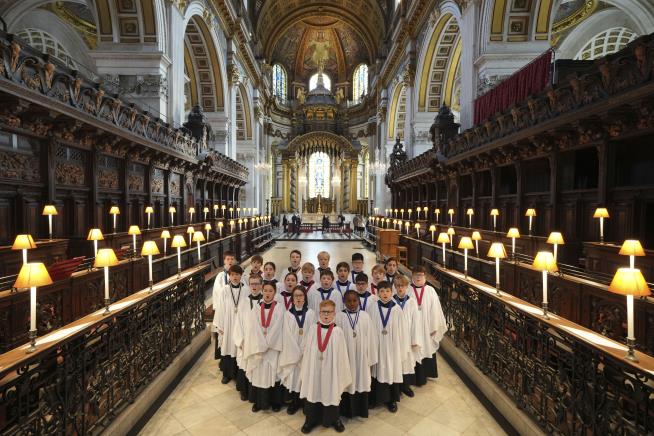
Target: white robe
pixel 290 376
pixel 285 271
pixel 324 381
pixel 361 349
pixel 283 300
pixel 239 330
pixel 218 286
pixel 393 348
pixel 227 317
pixel 314 298
pixel 316 275
pixel 415 338
pixel 353 275
pixel 429 319
pixel 342 289
pixel 368 304
pixel 312 286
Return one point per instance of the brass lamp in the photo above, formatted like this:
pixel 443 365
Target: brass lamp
pixel 178 242
pixel 115 211
pixel 601 213
pixel 497 252
pixel 172 211
pixel 238 212
pixel 406 226
pixel 231 212
pixel 189 231
pixel 418 210
pixel 476 236
pixel 191 211
pixel 531 213
pixel 555 238
pixel 32 275
pixel 95 235
pixel 513 233
pixel 206 211
pixel 198 237
pixel 451 233
pixel 410 211
pixel 630 282
pixel 231 226
pixel 432 229
pixel 465 243
pixel 165 235
pixel 545 262
pixel 632 248
pixel 470 212
pixel 23 243
pixel 437 211
pixel 220 229
pixel 450 212
pixel 402 212
pixel 495 213
pixel 149 249
pixel 207 227
pixel 222 209
pixel 215 210
pixel 49 210
pixel 240 224
pixel 104 259
pixel 134 230
pixel 149 210
pixel 426 211
pixel 443 238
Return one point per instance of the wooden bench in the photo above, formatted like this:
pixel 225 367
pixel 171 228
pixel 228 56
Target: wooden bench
pixel 402 254
pixel 62 270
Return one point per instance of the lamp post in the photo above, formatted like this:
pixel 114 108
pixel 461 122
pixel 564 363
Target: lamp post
pixel 178 242
pixel 165 235
pixel 513 233
pixel 601 213
pixel 629 282
pixel 476 236
pixel 23 243
pixel 418 210
pixel 207 227
pixel 32 275
pixel 555 238
pixel 149 211
pixel 238 212
pixel 240 224
pixel 115 211
pixel 531 213
pixel 222 209
pixel 406 227
pixel 498 252
pixel 220 229
pixel 443 238
pixel 231 212
pixel 451 233
pixel 106 258
pixel 231 226
pixel 189 231
pixel 172 211
pixel 465 243
pixel 206 211
pixel 438 214
pixel 426 211
pixel 134 230
pixel 470 212
pixel 402 212
pixel 545 262
pixel 198 237
pixel 495 213
pixel 632 248
pixel 450 212
pixel 191 211
pixel 395 213
pixel 215 211
pixel 432 229
pixel 149 249
pixel 49 210
pixel 410 211
pixel 95 235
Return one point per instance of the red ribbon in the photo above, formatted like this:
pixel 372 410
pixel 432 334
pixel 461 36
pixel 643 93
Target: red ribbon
pixel 418 297
pixel 323 346
pixel 287 301
pixel 373 288
pixel 265 322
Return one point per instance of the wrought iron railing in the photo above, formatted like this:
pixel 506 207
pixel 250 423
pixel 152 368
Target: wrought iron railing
pixel 83 375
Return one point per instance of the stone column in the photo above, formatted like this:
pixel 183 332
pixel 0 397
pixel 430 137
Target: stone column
pixel 469 28
pixel 234 81
pixel 286 186
pixel 409 78
pixel 354 164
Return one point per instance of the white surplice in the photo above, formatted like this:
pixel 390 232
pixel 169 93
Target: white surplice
pixel 219 284
pixel 415 338
pixel 368 302
pixel 394 347
pixel 361 348
pixel 233 301
pixel 314 297
pixel 430 318
pixel 290 374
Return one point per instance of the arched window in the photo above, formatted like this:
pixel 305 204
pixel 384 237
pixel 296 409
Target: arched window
pixel 605 43
pixel 319 174
pixel 279 82
pixel 360 80
pixel 326 81
pixel 46 43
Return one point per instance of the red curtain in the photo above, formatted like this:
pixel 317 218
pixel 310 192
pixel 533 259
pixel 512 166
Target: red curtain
pixel 530 79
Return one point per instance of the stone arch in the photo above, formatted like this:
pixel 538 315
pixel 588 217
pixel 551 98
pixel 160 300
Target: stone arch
pixel 243 114
pixel 330 143
pixel 515 21
pixel 397 112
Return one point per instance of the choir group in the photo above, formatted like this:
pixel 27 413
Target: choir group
pixel 333 345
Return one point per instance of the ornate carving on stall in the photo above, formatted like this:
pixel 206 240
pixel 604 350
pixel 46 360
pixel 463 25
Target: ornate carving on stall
pixel 157 184
pixel 17 166
pixel 14 50
pixel 67 173
pixel 608 318
pixel 135 183
pixel 174 185
pixel 398 155
pixel 49 312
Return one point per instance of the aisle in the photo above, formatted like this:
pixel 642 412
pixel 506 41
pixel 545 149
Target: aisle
pixel 201 405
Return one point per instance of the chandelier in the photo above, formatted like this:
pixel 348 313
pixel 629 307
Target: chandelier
pixel 262 167
pixel 378 167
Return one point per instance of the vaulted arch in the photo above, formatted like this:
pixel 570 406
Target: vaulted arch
pixel 243 115
pixel 516 20
pixel 397 112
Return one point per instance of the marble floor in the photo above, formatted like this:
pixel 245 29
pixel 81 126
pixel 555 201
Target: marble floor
pixel 201 405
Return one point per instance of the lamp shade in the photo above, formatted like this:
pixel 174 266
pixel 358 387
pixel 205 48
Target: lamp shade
pixel 476 236
pixel 432 228
pixel 149 248
pixel 215 207
pixel 451 231
pixel 23 242
pixel 530 212
pixel 437 211
pixel 49 209
pixel 95 235
pixel 628 281
pixel 149 209
pixel 601 212
pixel 495 212
pixel 206 209
pixel 470 212
pixel 231 222
pixel 544 261
pixel 555 238
pixel 450 211
pixel 223 207
pixel 172 209
pixel 191 210
pixel 134 230
pixel 497 251
pixel 114 210
pixel 165 234
pixel 632 247
pixel 466 242
pixel 240 221
pixel 513 233
pixel 207 226
pixel 105 257
pixel 220 224
pixel 190 230
pixel 32 275
pixel 443 238
pixel 198 237
pixel 178 241
pixel 417 226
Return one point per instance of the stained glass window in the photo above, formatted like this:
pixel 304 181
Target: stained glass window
pixel 279 82
pixel 319 174
pixel 360 80
pixel 326 81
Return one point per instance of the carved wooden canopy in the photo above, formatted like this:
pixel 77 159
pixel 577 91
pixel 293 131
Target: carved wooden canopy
pixel 307 144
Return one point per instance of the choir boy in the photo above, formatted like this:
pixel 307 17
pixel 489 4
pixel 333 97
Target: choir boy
pixel 357 266
pixel 307 276
pixel 296 325
pixel 286 296
pixel 255 265
pixel 367 301
pixel 296 259
pixel 343 283
pixel 410 309
pixel 270 276
pixel 323 265
pixel 242 383
pixel 361 344
pixel 221 281
pixel 325 292
pixel 378 275
pixel 391 270
pixel 393 345
pixel 233 300
pixel 325 371
pixel 431 324
pixel 262 346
